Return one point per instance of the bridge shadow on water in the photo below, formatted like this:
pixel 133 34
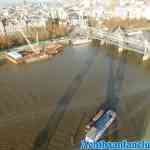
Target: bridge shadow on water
pixel 116 72
pixel 132 110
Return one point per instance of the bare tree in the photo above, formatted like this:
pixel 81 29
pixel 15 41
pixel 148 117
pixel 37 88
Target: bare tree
pixel 27 21
pixel 4 23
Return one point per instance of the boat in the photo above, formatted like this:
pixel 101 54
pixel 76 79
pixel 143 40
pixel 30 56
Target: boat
pixel 93 120
pixel 99 124
pixel 14 57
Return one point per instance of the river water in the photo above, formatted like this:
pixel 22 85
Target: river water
pixel 41 100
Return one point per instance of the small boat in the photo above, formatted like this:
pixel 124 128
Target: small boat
pixel 99 124
pixel 93 120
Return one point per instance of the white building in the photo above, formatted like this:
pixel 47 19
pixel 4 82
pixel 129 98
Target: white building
pixel 146 13
pixel 134 9
pixel 121 12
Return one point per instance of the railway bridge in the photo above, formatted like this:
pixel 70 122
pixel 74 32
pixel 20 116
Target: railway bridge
pixel 122 39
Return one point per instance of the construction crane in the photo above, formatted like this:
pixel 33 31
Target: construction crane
pixel 29 42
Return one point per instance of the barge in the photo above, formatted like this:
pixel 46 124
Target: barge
pixel 99 124
pixel 28 55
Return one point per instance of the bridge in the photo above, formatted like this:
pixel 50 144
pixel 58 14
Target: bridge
pixel 123 41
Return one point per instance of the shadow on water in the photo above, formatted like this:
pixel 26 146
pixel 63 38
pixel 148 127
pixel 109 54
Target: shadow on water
pixel 115 80
pixel 114 84
pixel 135 106
pixel 44 137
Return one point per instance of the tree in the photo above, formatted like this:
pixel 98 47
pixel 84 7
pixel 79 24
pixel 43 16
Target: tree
pixel 49 25
pixel 4 23
pixel 27 21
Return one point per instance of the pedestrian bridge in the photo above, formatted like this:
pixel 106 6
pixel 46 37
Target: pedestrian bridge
pixel 123 41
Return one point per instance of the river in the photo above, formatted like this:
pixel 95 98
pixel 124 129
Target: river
pixel 44 105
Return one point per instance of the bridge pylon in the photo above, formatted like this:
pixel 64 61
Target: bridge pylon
pixel 102 42
pixel 121 44
pixel 120 49
pixel 146 51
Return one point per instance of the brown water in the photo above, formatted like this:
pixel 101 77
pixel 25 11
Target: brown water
pixel 44 104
